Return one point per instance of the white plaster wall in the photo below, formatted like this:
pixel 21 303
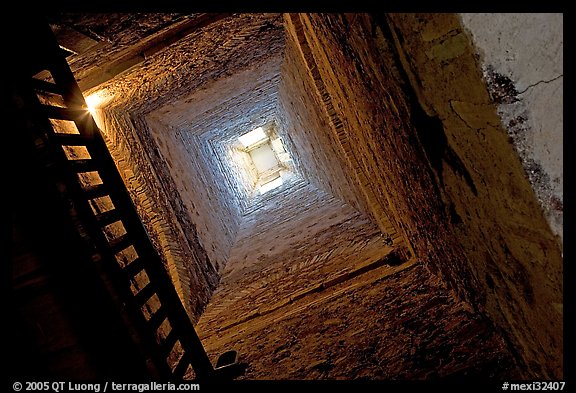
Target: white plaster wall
pixel 528 49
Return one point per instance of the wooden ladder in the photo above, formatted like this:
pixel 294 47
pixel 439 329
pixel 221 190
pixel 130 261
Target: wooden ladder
pixel 125 255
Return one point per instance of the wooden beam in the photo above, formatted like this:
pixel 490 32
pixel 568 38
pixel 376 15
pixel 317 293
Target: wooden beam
pixel 136 54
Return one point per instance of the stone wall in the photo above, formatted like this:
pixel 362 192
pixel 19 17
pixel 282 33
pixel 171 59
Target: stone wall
pixel 430 141
pixel 392 116
pixel 195 134
pixel 389 324
pixel 300 114
pixel 171 234
pixel 319 121
pixel 522 61
pixel 153 151
pixel 292 245
pixel 508 246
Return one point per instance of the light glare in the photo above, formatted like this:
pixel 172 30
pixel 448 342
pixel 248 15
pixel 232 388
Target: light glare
pixel 93 101
pixel 253 137
pixel 271 185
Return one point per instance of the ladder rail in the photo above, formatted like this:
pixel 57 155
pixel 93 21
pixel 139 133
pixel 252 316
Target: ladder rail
pixel 136 234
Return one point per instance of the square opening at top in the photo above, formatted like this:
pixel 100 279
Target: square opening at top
pixel 253 138
pixel 265 158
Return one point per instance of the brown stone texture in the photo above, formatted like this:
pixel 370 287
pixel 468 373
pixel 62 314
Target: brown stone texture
pixel 387 324
pixel 284 250
pixel 508 245
pixel 157 133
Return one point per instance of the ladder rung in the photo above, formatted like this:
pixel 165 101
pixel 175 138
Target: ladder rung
pixel 181 367
pixel 158 317
pixel 145 293
pixel 168 343
pixel 71 139
pixel 134 267
pixel 87 165
pixel 108 217
pixel 120 243
pixel 96 191
pixel 56 112
pixel 47 87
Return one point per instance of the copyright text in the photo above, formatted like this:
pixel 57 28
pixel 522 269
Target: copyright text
pixel 102 387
